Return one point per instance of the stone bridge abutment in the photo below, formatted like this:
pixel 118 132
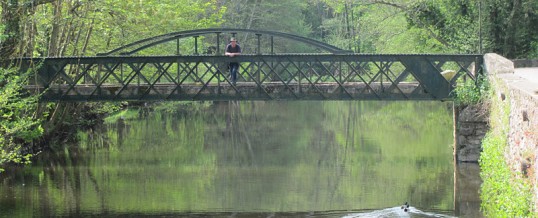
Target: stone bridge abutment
pixel 515 82
pixel 514 113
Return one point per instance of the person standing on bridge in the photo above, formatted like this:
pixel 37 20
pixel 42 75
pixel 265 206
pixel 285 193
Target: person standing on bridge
pixel 232 50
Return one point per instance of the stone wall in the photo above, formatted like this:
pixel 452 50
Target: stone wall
pixel 521 63
pixel 523 134
pixel 522 151
pixel 471 127
pixel 471 122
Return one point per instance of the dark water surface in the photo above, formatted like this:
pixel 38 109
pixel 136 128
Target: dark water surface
pixel 248 159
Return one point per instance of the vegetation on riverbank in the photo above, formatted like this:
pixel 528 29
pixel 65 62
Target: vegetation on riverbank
pixel 18 123
pixel 503 193
pixel 471 92
pixel 28 126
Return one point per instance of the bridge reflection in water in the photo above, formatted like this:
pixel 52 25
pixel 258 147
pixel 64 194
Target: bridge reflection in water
pixel 261 77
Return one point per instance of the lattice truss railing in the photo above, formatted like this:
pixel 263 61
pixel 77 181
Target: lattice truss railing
pixel 261 77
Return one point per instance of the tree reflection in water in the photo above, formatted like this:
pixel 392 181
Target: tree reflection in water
pixel 267 157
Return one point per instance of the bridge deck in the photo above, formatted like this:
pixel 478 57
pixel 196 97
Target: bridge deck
pixel 241 91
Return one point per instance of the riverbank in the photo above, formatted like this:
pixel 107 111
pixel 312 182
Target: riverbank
pixel 509 154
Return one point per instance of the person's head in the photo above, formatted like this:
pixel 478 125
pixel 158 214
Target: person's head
pixel 233 41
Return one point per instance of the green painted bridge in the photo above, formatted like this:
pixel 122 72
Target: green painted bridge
pixel 127 73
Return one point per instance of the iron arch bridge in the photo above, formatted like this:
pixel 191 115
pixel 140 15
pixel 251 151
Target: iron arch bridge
pixel 335 74
pixel 220 35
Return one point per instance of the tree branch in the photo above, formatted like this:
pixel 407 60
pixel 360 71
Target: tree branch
pixel 420 23
pixel 382 2
pixel 31 4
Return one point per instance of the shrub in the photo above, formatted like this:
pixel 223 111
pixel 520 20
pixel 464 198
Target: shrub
pixel 471 92
pixel 18 126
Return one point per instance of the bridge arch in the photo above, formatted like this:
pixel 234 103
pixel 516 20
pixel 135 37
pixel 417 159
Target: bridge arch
pixel 142 44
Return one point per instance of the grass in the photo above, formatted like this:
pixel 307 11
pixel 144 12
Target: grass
pixel 504 193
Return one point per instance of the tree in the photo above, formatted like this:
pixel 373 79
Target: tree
pixel 51 28
pixel 510 27
pixel 504 26
pixel 12 13
pixel 274 15
pixel 418 26
pixel 18 122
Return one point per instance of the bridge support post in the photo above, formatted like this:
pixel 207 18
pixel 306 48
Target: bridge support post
pixel 299 78
pixel 272 45
pixel 341 81
pixel 258 72
pixel 221 68
pixel 258 49
pixel 218 43
pixel 196 45
pixel 177 46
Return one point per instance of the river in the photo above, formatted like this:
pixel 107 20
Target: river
pixel 244 159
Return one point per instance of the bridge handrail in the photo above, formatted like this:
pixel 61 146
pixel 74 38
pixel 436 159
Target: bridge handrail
pixel 379 57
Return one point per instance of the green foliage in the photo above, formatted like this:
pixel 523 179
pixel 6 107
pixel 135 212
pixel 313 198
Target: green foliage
pixel 103 25
pixel 503 193
pixel 17 126
pixel 83 27
pixel 274 15
pixel 126 114
pixel 182 107
pixel 375 28
pixel 534 53
pixel 501 26
pixel 453 23
pixel 424 26
pixel 471 92
pixel 2 36
pixel 103 108
pixel 426 13
pixel 511 27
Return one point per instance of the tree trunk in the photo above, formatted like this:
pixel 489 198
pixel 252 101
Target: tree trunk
pixel 348 29
pixel 56 28
pixel 510 33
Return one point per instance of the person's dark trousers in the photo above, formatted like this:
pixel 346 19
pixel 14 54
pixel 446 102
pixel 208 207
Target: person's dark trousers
pixel 234 67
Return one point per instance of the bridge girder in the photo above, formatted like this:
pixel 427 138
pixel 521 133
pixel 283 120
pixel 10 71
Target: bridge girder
pixel 262 77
